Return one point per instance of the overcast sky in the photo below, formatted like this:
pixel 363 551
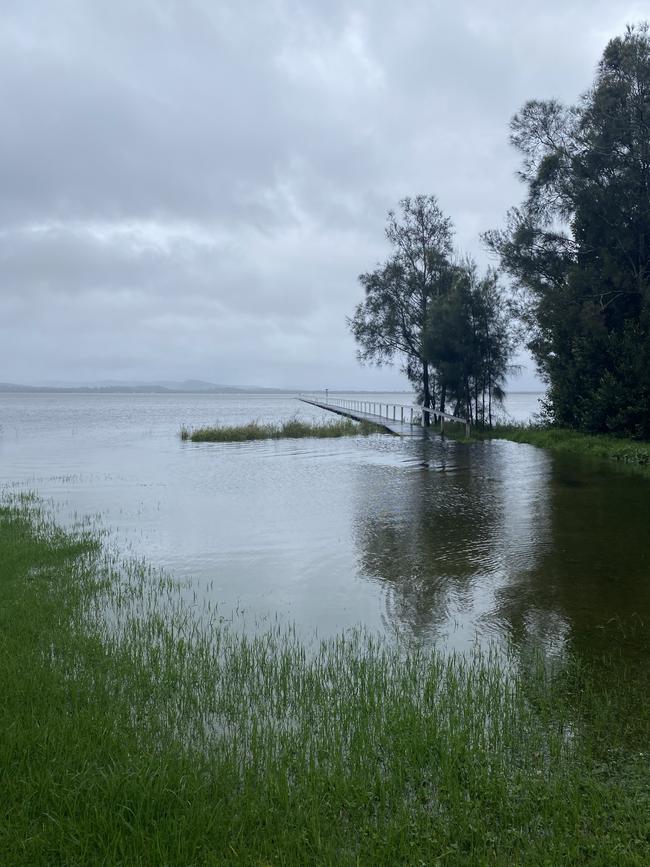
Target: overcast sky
pixel 190 189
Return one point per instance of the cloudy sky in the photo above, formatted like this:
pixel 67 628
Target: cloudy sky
pixel 190 188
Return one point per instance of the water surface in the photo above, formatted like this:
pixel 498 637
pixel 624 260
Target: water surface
pixel 442 541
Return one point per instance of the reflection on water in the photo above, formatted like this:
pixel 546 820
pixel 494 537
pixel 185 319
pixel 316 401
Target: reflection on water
pixel 444 535
pixel 445 542
pixel 591 582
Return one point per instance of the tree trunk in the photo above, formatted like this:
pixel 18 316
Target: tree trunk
pixel 489 387
pixel 426 393
pixel 483 404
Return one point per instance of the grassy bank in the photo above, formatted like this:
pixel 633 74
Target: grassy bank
pixel 631 453
pixel 137 728
pixel 292 429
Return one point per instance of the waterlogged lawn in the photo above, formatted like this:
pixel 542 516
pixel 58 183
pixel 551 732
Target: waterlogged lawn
pixel 137 728
pixel 293 429
pixel 634 454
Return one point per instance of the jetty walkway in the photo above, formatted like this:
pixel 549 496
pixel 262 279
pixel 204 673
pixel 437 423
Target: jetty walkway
pixel 405 420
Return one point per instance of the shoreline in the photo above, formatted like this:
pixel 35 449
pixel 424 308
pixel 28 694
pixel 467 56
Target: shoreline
pixel 625 453
pixel 157 733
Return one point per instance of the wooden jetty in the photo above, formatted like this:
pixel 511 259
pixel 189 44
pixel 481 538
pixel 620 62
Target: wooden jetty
pixel 397 418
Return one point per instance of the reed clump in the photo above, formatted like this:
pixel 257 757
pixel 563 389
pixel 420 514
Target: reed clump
pixel 138 727
pixel 292 429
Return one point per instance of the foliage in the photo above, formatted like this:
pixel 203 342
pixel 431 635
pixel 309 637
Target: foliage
pixel 392 320
pixel 579 246
pixel 470 340
pixel 450 329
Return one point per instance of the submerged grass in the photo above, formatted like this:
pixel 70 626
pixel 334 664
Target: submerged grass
pixel 137 728
pixel 634 454
pixel 292 429
pixel 452 430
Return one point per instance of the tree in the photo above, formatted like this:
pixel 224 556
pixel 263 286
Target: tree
pixel 579 246
pixel 470 341
pixel 392 320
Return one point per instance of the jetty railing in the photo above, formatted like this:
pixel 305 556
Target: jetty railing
pixel 396 412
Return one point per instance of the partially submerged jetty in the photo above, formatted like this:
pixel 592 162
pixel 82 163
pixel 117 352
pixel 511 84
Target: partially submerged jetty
pixel 397 418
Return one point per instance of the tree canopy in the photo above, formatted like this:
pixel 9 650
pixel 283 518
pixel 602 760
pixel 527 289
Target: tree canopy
pixel 448 327
pixel 470 340
pixel 579 245
pixel 393 319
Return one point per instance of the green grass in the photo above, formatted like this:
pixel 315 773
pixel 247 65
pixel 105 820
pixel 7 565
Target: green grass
pixel 631 453
pixel 139 728
pixel 292 429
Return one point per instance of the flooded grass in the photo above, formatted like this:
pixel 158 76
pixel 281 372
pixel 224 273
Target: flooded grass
pixel 292 429
pixel 634 454
pixel 137 727
pixel 453 430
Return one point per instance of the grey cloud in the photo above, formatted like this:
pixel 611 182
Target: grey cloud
pixel 194 186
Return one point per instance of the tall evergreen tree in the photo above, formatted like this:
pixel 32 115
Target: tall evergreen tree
pixel 470 341
pixel 579 246
pixel 391 322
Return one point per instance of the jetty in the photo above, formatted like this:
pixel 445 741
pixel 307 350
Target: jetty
pixel 397 418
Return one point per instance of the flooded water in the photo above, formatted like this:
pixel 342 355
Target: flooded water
pixel 443 541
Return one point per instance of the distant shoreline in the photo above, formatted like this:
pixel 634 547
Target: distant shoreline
pixel 11 388
pixel 8 388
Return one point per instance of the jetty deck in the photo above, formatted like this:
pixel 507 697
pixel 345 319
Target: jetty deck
pixel 396 418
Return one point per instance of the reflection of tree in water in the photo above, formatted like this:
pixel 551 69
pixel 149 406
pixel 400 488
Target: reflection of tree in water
pixel 544 548
pixel 433 534
pixel 590 585
pixel 586 598
pixel 555 551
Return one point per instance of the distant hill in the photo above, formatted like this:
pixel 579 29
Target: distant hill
pixel 189 386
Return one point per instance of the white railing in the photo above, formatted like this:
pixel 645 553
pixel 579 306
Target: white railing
pixel 388 411
pixel 445 416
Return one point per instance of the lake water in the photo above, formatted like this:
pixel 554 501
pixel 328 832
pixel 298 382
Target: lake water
pixel 443 541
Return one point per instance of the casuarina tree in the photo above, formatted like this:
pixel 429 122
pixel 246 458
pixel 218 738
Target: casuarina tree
pixel 470 342
pixel 579 246
pixel 391 323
